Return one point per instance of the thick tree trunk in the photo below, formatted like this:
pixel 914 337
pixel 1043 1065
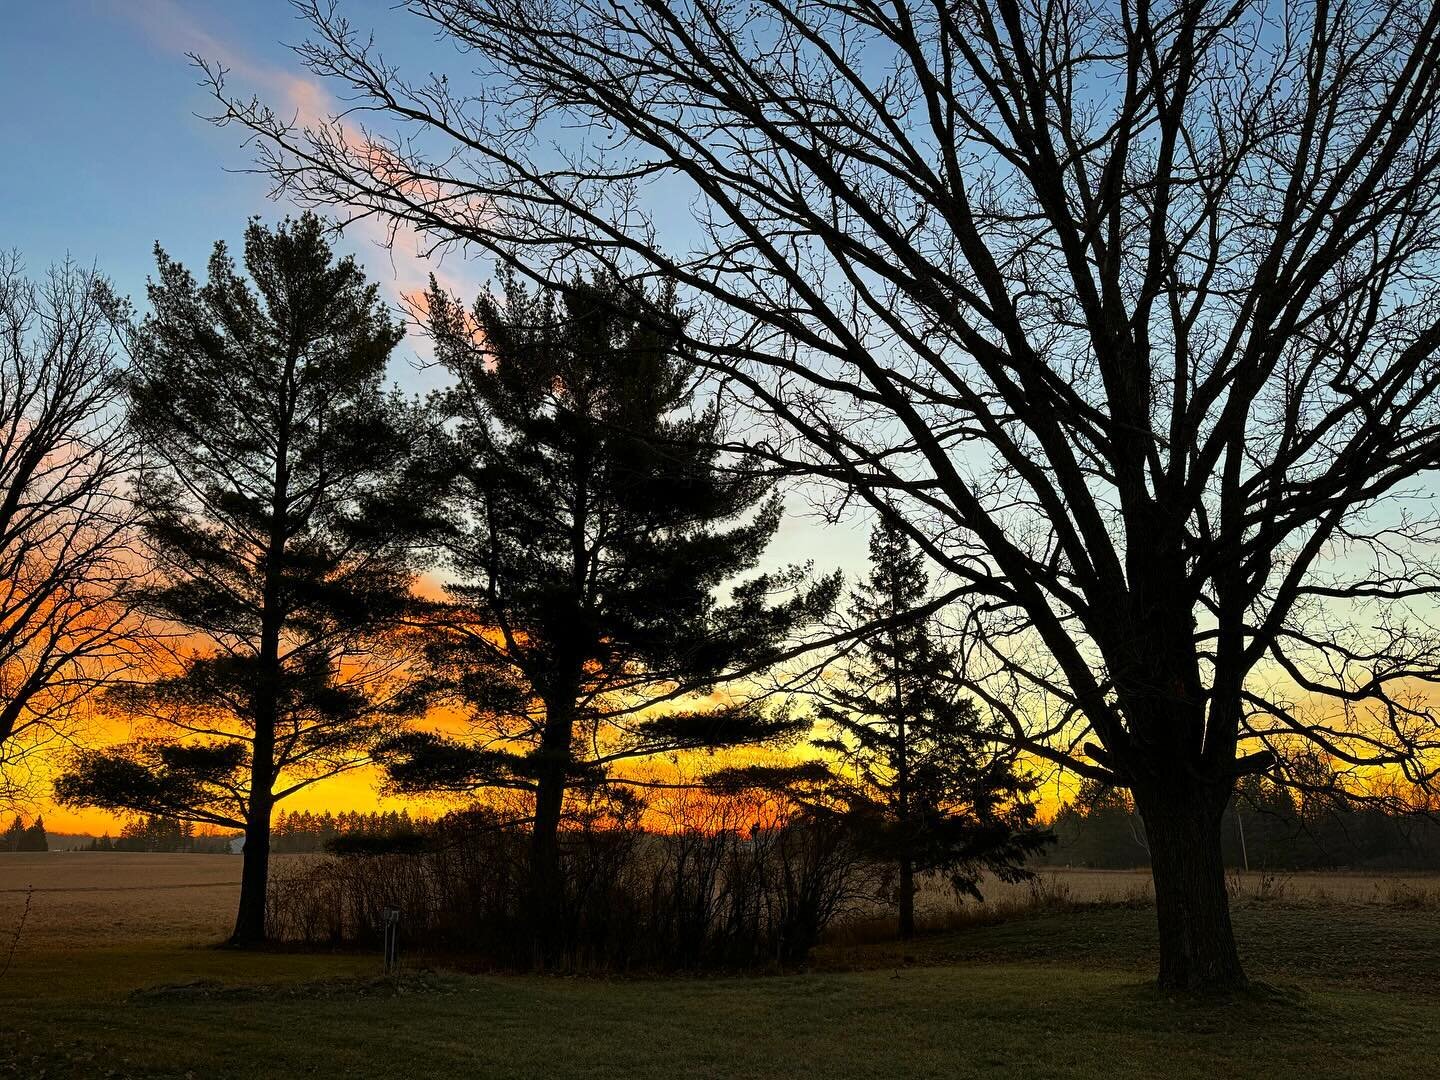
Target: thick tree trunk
pixel 545 836
pixel 907 897
pixel 546 878
pixel 1197 942
pixel 255 875
pixel 254 881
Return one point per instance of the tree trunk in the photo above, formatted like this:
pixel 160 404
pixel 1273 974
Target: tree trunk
pixel 545 837
pixel 546 879
pixel 907 898
pixel 254 880
pixel 265 705
pixel 1197 942
pixel 255 875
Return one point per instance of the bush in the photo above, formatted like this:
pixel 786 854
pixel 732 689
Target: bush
pixel 631 900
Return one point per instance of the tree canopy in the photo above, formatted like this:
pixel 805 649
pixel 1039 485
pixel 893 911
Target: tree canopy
pixel 594 528
pixel 65 525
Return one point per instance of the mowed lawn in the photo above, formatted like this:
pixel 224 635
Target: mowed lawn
pixel 1349 990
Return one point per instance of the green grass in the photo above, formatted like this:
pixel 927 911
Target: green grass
pixel 1349 991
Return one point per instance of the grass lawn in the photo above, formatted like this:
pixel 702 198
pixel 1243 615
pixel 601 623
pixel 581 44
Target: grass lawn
pixel 1350 992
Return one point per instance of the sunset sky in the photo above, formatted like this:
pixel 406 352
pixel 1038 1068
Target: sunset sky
pixel 107 153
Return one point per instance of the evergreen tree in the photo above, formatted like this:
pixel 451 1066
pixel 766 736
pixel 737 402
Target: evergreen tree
pixel 10 839
pixel 594 523
pixel 34 838
pixel 155 833
pixel 272 509
pixel 1100 828
pixel 914 764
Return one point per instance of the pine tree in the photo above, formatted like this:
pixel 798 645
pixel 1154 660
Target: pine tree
pixel 915 765
pixel 277 528
pixel 594 523
pixel 10 839
pixel 34 838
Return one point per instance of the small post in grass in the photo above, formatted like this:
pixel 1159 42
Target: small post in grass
pixel 391 917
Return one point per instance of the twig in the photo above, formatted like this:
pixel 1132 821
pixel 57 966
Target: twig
pixel 19 929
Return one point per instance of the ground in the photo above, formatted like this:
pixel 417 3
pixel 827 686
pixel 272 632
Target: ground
pixel 114 977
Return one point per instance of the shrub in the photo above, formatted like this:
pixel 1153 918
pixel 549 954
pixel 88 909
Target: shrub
pixel 695 899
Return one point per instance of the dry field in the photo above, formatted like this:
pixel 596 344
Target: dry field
pixel 101 900
pixel 88 899
pixel 1402 888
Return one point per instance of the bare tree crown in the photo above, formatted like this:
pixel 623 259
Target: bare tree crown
pixel 1134 307
pixel 64 520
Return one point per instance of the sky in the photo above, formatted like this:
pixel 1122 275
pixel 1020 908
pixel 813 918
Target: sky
pixel 107 148
pixel 104 152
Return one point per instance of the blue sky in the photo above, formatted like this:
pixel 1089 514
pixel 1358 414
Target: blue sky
pixel 104 151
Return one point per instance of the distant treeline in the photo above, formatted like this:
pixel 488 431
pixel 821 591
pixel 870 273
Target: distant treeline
pixel 158 833
pixel 297 833
pixel 21 837
pixel 306 832
pixel 1266 828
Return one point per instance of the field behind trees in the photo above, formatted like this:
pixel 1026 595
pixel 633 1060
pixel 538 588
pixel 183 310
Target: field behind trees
pixel 113 975
pixel 120 899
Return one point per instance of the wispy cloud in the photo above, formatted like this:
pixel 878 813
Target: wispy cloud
pixel 173 28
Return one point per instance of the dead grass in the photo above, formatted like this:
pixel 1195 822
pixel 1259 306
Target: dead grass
pixel 1069 890
pixel 87 899
pixel 101 899
pixel 1414 890
pixel 1043 980
pixel 1408 891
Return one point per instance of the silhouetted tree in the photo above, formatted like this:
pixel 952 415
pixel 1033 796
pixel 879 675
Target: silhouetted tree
pixel 153 833
pixel 310 832
pixel 1133 312
pixel 34 838
pixel 277 533
pixel 594 523
pixel 21 837
pixel 924 781
pixel 13 834
pixel 161 833
pixel 64 521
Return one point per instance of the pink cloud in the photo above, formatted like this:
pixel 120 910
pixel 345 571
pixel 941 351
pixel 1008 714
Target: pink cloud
pixel 173 28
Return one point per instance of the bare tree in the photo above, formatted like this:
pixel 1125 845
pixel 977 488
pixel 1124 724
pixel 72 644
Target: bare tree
pixel 63 516
pixel 1133 308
